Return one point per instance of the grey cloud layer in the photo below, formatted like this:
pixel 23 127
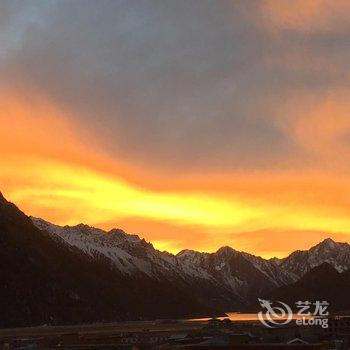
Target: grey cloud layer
pixel 169 83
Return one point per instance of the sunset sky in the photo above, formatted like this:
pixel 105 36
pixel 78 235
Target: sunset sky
pixel 195 124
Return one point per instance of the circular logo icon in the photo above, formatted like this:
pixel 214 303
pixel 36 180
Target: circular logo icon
pixel 274 313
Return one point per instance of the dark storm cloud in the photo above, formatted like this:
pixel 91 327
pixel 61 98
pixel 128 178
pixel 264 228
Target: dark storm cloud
pixel 168 83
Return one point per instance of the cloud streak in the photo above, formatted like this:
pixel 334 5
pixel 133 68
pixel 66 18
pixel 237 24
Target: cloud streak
pixel 241 103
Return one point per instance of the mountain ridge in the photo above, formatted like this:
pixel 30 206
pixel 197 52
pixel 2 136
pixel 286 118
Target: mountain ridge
pixel 241 276
pixel 130 279
pixel 44 280
pixel 328 241
pixel 322 283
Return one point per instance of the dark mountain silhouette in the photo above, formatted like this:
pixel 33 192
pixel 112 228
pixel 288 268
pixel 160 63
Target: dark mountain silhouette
pixel 45 281
pixel 301 261
pixel 323 282
pixel 80 274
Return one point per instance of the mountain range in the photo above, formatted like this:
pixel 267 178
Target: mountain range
pixel 78 274
pixel 322 283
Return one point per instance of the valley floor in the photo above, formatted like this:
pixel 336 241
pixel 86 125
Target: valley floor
pixel 177 334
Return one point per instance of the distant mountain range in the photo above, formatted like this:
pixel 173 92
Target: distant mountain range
pixel 323 282
pixel 44 280
pixel 54 274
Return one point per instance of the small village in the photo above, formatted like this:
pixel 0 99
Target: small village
pixel 173 334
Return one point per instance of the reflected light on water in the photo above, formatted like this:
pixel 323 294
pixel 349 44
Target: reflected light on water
pixel 236 316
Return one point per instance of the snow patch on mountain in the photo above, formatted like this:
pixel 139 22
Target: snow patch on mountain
pixel 227 269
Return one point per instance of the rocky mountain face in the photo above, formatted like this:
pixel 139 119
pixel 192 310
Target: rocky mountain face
pixel 78 274
pixel 227 279
pixel 133 257
pixel 321 283
pixel 46 280
pixel 300 262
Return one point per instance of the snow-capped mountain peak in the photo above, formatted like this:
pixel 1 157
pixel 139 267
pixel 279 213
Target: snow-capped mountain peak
pixel 301 261
pixel 225 251
pixel 239 274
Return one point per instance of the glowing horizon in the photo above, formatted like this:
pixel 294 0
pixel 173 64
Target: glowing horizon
pixel 194 131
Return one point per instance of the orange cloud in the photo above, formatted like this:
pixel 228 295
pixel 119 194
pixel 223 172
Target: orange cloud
pixel 34 126
pixel 305 15
pixel 320 126
pixel 69 194
pixel 50 170
pixel 272 243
